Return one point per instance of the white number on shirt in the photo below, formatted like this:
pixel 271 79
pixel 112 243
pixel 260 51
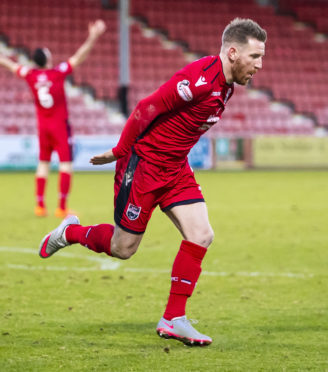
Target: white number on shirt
pixel 45 98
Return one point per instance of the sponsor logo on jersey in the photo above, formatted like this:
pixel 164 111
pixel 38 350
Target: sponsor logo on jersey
pixel 174 279
pixel 200 81
pixel 41 78
pixel 213 119
pixel 133 212
pixel 184 90
pixel 216 94
pixel 205 127
pixel 43 83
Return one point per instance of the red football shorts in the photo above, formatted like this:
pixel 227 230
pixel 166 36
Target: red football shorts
pixel 55 138
pixel 140 186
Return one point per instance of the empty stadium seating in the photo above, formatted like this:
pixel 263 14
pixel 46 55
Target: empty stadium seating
pixel 62 26
pixel 290 72
pixel 151 65
pixel 290 69
pixel 314 12
pixel 251 113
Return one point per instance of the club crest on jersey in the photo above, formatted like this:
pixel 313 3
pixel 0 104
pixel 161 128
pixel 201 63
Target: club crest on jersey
pixel 133 212
pixel 184 90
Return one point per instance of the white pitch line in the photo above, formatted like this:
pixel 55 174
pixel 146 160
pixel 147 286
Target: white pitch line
pixel 105 263
pixel 108 264
pixel 257 274
pixel 51 268
pixel 224 273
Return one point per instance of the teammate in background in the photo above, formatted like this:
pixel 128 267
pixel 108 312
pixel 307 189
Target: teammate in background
pixel 47 86
pixel 152 169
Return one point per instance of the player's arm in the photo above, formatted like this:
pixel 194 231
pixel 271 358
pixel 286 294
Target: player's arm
pixel 171 96
pixel 96 29
pixel 9 64
pixel 146 111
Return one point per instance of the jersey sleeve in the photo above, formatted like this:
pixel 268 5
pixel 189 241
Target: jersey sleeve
pixel 64 68
pixel 179 91
pixel 146 111
pixel 22 72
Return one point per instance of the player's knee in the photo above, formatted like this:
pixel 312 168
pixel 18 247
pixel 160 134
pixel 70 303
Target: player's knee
pixel 66 167
pixel 42 169
pixel 125 254
pixel 209 237
pixel 123 251
pixel 203 237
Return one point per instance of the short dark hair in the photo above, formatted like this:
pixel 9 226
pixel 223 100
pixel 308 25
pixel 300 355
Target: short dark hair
pixel 39 57
pixel 240 30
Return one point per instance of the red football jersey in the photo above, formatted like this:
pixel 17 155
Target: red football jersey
pixel 195 98
pixel 47 86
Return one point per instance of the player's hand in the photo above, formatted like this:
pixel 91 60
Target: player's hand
pixel 97 28
pixel 106 157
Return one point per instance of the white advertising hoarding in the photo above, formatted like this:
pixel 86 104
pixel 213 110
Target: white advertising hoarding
pixel 19 152
pixel 22 152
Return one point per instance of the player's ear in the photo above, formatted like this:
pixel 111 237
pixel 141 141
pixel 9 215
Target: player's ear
pixel 232 53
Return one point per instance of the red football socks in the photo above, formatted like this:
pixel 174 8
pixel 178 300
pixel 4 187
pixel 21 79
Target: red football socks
pixel 95 237
pixel 40 185
pixel 185 273
pixel 64 187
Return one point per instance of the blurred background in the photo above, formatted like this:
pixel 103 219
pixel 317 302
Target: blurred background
pixel 279 121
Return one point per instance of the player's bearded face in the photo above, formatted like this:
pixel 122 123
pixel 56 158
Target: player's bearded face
pixel 248 62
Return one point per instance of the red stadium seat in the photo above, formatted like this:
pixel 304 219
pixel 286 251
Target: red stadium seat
pixel 199 24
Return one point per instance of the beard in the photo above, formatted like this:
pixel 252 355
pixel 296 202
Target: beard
pixel 240 74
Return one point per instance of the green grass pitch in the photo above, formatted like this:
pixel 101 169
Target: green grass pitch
pixel 262 295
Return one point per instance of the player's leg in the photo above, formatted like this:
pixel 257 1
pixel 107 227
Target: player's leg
pixel 131 221
pixel 41 177
pixel 101 238
pixel 64 187
pixel 188 212
pixel 63 145
pixel 124 244
pixel 105 238
pixel 42 172
pixel 192 222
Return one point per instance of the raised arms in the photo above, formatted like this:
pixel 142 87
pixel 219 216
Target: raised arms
pixel 9 64
pixel 96 29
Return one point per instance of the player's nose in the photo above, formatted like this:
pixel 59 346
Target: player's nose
pixel 258 64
